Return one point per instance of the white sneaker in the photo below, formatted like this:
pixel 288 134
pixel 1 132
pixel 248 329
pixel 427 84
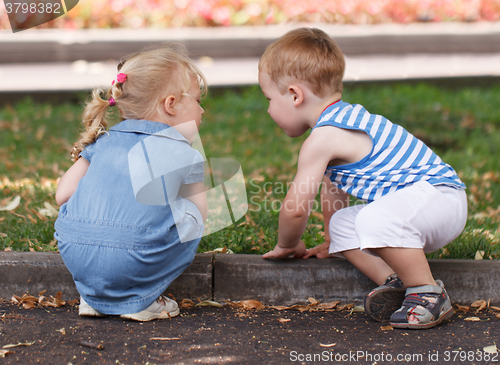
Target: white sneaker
pixel 161 308
pixel 86 310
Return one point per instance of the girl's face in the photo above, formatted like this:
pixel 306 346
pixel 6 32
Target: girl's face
pixel 187 119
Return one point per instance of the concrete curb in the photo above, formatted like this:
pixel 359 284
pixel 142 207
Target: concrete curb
pixel 36 46
pixel 240 277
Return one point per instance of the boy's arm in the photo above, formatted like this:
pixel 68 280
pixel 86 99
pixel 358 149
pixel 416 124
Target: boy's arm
pixel 313 159
pixel 332 200
pixel 69 181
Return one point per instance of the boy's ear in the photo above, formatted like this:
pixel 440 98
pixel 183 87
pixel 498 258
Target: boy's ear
pixel 297 94
pixel 169 105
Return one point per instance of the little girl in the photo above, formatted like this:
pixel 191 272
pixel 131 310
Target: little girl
pixel 133 204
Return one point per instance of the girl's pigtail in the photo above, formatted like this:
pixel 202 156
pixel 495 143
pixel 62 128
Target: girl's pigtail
pixel 95 114
pixel 94 120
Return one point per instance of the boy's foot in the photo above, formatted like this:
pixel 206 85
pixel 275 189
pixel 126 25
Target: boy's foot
pixel 86 310
pixel 385 299
pixel 424 307
pixel 161 308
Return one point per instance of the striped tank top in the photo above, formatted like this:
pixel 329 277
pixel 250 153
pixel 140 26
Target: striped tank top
pixel 397 158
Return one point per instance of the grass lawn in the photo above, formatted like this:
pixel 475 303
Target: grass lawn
pixel 462 124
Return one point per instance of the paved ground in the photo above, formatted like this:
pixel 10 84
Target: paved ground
pixel 208 335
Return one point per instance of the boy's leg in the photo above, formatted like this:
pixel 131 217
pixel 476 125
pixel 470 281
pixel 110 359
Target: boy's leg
pixel 381 302
pixel 373 267
pixel 410 264
pixel 385 299
pixel 400 228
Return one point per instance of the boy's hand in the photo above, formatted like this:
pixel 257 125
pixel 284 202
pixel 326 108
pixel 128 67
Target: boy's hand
pixel 280 252
pixel 320 251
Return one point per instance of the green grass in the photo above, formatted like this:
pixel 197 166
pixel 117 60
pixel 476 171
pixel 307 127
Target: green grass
pixel 462 124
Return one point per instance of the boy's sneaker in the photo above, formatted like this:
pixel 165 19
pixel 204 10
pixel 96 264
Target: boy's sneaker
pixel 161 308
pixel 385 299
pixel 86 310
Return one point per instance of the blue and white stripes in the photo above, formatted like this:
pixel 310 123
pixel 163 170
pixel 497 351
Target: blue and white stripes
pixel 397 158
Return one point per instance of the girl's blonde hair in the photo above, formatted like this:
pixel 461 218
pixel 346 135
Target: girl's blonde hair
pixel 152 75
pixel 308 55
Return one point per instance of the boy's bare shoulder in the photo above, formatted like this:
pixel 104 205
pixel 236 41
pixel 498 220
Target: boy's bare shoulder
pixel 338 144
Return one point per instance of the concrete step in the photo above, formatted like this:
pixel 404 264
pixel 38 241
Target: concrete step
pixel 61 45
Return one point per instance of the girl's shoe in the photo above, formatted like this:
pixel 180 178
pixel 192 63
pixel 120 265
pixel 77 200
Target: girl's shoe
pixel 86 310
pixel 161 308
pixel 428 304
pixel 385 299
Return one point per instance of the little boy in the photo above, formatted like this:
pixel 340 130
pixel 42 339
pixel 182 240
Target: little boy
pixel 415 202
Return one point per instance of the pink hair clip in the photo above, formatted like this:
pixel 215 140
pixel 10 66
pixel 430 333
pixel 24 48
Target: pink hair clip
pixel 121 77
pixel 112 101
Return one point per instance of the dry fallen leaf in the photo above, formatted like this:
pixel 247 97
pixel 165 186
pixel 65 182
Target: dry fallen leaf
pixel 4 352
pixel 386 328
pixel 221 250
pixel 479 304
pixel 284 320
pixel 463 308
pixel 472 319
pixel 30 302
pixel 280 307
pixel 10 204
pixel 313 301
pixel 18 344
pixel 491 349
pixel 479 255
pixel 92 345
pixel 358 309
pixel 187 303
pixel 209 303
pixel 317 215
pixel 329 305
pixel 327 345
pixel 251 304
pixel 494 308
pixel 164 338
pixel 345 306
pixel 49 210
pixel 246 304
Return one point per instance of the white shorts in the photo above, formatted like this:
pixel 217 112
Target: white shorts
pixel 419 216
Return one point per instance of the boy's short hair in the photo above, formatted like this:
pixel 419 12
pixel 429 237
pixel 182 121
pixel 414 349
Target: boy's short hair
pixel 308 55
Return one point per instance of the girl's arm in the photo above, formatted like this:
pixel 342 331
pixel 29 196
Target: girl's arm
pixel 69 181
pixel 195 193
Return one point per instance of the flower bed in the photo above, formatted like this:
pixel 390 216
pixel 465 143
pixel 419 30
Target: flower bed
pixel 202 13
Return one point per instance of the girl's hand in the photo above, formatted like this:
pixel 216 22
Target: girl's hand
pixel 280 252
pixel 320 251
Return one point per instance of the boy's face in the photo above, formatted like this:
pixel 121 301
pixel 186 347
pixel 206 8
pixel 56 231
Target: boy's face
pixel 281 106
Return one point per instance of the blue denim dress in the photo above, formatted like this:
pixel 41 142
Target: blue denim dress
pixel 124 234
